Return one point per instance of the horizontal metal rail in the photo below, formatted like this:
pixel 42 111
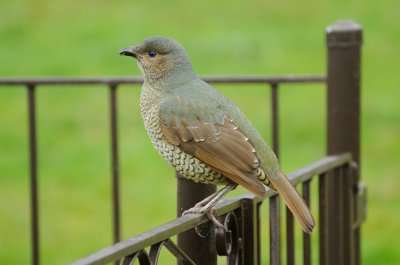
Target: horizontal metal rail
pixel 138 80
pixel 184 223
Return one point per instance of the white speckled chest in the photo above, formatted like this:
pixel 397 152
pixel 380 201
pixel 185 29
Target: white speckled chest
pixel 186 165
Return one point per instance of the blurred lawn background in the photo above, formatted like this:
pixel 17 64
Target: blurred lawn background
pixel 82 38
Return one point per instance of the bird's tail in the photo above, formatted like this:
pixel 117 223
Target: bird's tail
pixel 294 202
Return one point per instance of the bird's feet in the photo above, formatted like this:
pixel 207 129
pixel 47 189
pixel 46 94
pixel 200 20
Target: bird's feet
pixel 207 204
pixel 205 209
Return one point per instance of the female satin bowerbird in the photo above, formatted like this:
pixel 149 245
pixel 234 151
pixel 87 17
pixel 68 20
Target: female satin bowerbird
pixel 203 134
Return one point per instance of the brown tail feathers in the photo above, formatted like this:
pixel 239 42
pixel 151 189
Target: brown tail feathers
pixel 294 202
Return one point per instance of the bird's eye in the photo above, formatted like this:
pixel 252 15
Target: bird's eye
pixel 152 54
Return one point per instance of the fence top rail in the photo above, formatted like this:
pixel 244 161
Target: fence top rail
pixel 181 224
pixel 23 81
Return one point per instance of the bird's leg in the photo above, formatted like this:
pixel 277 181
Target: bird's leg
pixel 206 205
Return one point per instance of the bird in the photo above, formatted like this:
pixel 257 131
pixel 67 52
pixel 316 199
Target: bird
pixel 203 134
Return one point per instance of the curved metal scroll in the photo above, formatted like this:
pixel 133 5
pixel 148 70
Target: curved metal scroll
pixel 154 254
pixel 140 255
pixel 228 240
pixel 174 249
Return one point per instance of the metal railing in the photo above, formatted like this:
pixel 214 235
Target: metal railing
pixel 340 192
pixel 33 84
pixel 241 216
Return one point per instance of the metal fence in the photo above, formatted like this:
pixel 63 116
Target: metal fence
pixel 341 194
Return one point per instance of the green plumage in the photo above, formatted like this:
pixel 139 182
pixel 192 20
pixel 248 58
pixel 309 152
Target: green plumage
pixel 201 133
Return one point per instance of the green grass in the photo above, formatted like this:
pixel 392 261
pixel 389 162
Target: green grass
pixel 82 38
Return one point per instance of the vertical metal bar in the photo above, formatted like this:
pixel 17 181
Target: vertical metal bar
pixel 200 249
pixel 114 162
pixel 290 241
pixel 306 237
pixel 275 230
pixel 331 217
pixel 290 246
pixel 340 202
pixel 322 205
pixel 259 233
pixel 274 202
pixel 33 174
pixel 250 235
pixel 275 118
pixel 344 40
pixel 348 215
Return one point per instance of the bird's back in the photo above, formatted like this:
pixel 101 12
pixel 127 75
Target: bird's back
pixel 216 100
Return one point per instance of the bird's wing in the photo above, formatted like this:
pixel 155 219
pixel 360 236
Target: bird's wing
pixel 211 136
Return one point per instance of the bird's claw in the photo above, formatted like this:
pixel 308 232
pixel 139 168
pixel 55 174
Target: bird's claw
pixel 211 214
pixel 199 208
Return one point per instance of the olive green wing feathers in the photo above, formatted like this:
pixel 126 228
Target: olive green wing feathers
pixel 211 136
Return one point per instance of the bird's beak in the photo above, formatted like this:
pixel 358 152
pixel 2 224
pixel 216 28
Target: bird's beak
pixel 128 52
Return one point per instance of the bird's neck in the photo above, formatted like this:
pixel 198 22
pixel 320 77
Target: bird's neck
pixel 169 80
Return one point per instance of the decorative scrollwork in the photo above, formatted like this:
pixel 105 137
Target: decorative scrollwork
pixel 154 254
pixel 228 240
pixel 174 249
pixel 140 255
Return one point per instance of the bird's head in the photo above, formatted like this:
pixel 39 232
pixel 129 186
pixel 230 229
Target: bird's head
pixel 160 58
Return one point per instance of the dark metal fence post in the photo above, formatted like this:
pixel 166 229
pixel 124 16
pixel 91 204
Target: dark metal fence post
pixel 274 202
pixel 344 40
pixel 33 174
pixel 251 234
pixel 200 249
pixel 114 162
